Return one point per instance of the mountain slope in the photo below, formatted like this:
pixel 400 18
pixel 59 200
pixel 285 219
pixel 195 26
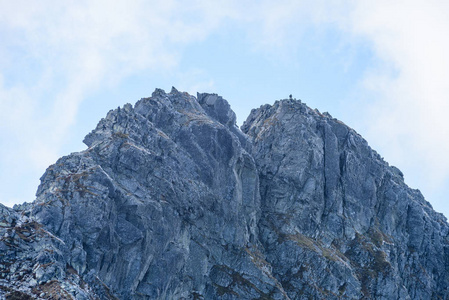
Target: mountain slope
pixel 341 216
pixel 172 201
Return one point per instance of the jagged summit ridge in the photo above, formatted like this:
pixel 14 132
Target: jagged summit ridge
pixel 172 201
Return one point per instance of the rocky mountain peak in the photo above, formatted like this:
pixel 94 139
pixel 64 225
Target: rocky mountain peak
pixel 172 201
pixel 217 108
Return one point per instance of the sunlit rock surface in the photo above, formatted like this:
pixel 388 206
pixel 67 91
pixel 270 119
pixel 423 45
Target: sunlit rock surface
pixel 172 200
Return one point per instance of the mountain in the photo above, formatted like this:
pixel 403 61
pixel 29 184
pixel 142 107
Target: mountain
pixel 171 200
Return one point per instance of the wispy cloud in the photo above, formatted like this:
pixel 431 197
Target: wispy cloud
pixel 54 54
pixel 403 98
pixel 409 118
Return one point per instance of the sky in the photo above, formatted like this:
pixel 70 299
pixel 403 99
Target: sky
pixel 379 66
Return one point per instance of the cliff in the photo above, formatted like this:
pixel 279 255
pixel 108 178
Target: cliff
pixel 172 200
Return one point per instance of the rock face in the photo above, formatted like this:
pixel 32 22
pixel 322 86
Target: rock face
pixel 336 220
pixel 172 200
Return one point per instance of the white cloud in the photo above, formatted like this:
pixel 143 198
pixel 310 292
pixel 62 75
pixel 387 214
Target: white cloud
pixel 53 54
pixel 408 121
pixel 408 89
pixel 56 53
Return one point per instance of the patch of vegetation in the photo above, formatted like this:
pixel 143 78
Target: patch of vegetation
pixel 52 290
pixel 304 241
pixel 120 135
pixel 366 247
pixel 258 259
pixel 13 294
pixel 380 264
pixel 240 281
pixel 311 244
pixel 16 295
pixel 378 237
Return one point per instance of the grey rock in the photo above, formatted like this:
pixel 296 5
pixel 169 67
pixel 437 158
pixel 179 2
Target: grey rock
pixel 361 231
pixel 172 200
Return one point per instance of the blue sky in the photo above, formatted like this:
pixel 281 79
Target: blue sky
pixel 379 66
